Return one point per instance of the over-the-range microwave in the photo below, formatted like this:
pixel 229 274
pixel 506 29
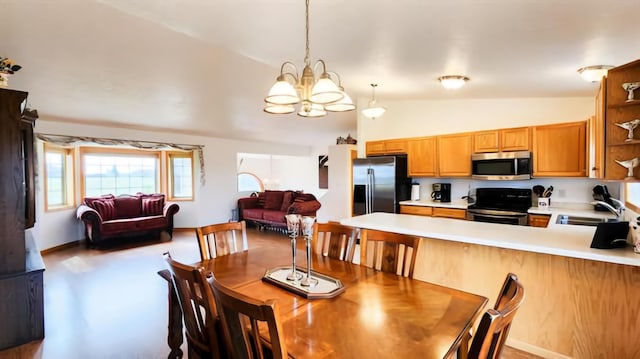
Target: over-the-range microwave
pixel 501 166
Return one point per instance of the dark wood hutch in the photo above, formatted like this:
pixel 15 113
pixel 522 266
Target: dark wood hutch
pixel 21 265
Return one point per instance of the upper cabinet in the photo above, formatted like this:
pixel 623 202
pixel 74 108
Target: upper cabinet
pixel 596 134
pixel 421 155
pixel 559 150
pixel 386 147
pixel 622 138
pixel 454 155
pixel 504 140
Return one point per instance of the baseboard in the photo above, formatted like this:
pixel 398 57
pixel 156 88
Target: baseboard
pixel 185 229
pixel 529 348
pixel 60 247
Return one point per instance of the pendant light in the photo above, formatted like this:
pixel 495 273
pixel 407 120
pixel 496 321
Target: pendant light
pixel 315 96
pixel 373 111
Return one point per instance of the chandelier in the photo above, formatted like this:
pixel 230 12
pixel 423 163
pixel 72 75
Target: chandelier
pixel 315 96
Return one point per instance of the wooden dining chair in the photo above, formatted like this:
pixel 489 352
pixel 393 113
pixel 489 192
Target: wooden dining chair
pixel 389 252
pixel 334 240
pixel 494 326
pixel 241 316
pixel 220 239
pixel 199 312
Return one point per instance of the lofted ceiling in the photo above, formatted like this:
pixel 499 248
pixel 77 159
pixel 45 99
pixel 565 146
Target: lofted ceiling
pixel 204 66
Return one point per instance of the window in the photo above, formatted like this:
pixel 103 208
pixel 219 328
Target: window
pixel 632 195
pixel 58 177
pixel 180 178
pixel 248 182
pixel 117 172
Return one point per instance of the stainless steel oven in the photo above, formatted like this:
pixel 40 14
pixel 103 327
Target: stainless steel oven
pixel 501 205
pixel 491 216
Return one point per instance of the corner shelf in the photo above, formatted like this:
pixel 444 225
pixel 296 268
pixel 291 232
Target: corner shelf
pixel 624 104
pixel 625 143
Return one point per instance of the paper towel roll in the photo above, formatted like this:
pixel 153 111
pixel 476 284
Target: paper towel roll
pixel 415 192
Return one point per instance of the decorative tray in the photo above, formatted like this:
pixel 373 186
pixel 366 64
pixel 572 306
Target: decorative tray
pixel 327 287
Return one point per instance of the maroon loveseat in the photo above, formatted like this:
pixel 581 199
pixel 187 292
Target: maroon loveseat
pixel 268 208
pixel 108 217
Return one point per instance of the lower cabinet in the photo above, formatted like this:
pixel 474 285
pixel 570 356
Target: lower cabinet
pixel 455 213
pixel 418 210
pixel 539 220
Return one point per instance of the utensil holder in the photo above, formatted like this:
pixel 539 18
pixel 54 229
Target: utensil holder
pixel 544 203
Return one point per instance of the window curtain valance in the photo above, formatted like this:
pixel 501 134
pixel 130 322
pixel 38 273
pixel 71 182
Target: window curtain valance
pixel 62 140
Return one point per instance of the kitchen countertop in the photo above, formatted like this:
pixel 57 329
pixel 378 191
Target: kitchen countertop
pixel 557 239
pixel 456 203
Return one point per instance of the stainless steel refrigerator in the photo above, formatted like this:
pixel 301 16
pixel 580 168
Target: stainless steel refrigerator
pixel 379 184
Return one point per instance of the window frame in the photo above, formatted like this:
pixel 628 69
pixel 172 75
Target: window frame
pixel 627 197
pixel 168 176
pixel 84 150
pixel 68 179
pixel 260 182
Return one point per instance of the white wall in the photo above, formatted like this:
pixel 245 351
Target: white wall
pixel 336 203
pixel 214 201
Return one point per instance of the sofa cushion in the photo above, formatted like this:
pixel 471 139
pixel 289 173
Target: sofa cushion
pixel 132 225
pixel 105 207
pixel 287 199
pixel 128 206
pixel 261 199
pixel 89 200
pixel 273 200
pixel 252 213
pixel 273 216
pixel 152 205
pixel 304 207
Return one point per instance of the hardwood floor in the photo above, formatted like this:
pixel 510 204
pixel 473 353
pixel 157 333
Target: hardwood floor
pixel 112 304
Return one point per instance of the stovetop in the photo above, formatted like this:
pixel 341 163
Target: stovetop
pixel 503 199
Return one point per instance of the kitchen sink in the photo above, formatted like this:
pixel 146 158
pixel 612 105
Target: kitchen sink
pixel 582 221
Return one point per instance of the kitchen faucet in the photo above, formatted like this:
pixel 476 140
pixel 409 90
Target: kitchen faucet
pixel 618 211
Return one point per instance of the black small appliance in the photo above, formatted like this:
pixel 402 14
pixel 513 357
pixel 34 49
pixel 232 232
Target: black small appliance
pixel 441 192
pixel 601 193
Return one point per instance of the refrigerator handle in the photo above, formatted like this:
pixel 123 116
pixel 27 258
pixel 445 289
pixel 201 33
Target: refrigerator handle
pixel 369 205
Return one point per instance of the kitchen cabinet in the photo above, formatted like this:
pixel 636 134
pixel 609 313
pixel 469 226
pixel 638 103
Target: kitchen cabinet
pixel 503 140
pixel 386 147
pixel 539 220
pixel 449 213
pixel 619 109
pixel 417 210
pixel 596 134
pixel 454 213
pixel 559 150
pixel 454 155
pixel 422 158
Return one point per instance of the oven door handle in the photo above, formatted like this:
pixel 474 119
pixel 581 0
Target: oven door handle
pixel 498 216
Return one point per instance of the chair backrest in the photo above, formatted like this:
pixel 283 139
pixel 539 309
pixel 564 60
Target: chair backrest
pixel 334 240
pixel 494 326
pixel 199 312
pixel 389 252
pixel 220 239
pixel 240 317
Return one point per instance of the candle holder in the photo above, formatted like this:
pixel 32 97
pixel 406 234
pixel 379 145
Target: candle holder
pixel 293 226
pixel 307 230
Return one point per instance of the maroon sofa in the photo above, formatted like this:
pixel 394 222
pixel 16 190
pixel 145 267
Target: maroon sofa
pixel 268 208
pixel 108 217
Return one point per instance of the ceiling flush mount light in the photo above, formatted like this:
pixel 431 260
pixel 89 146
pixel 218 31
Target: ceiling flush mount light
pixel 373 111
pixel 594 73
pixel 452 82
pixel 315 96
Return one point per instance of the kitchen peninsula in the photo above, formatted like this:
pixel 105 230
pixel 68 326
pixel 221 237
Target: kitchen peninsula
pixel 580 302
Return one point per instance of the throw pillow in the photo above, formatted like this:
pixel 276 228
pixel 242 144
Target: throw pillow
pixel 152 206
pixel 287 199
pixel 273 200
pixel 106 209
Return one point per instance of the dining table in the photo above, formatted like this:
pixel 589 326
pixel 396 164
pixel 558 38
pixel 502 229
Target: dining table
pixel 376 315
